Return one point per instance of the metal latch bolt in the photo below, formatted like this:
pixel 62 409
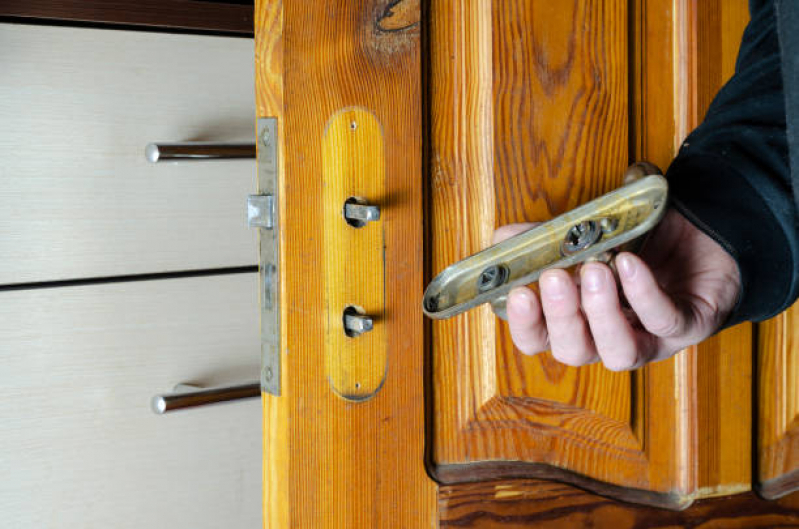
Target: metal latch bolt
pixel 355 323
pixel 358 212
pixel 261 211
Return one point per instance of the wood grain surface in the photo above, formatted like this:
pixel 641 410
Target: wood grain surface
pixel 778 398
pixel 346 464
pixel 569 93
pixel 269 103
pixel 532 117
pixel 722 365
pixel 542 504
pixel 354 167
pixel 530 106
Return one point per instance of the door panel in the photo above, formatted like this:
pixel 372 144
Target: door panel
pixel 538 107
pixel 542 89
pixel 722 365
pixel 778 436
pixel 532 107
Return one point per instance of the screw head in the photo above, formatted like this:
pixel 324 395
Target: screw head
pixel 581 236
pixel 492 277
pixel 266 137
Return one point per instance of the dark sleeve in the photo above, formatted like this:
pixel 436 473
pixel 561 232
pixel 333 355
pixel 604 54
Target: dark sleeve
pixel 732 176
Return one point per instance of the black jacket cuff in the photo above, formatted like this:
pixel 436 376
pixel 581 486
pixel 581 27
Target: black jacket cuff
pixel 718 200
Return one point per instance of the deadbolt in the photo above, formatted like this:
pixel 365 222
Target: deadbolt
pixel 358 212
pixel 356 323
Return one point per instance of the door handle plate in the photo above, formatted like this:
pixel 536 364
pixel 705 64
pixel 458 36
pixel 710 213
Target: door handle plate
pixel 354 183
pixel 588 232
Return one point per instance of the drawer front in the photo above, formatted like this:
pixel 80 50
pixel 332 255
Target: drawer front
pixel 80 446
pixel 77 197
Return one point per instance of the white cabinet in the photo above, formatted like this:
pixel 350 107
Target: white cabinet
pixel 81 352
pixel 77 197
pixel 80 446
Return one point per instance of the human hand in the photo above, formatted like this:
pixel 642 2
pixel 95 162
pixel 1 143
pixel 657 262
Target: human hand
pixel 680 291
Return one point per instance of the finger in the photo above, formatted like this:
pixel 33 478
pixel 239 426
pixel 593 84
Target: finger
pixel 568 332
pixel 526 321
pixel 655 309
pixel 616 341
pixel 509 230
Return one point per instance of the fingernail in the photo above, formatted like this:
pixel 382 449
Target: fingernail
pixel 626 266
pixel 553 287
pixel 519 302
pixel 593 278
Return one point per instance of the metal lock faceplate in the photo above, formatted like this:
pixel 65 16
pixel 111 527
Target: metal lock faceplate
pixel 262 212
pixel 585 233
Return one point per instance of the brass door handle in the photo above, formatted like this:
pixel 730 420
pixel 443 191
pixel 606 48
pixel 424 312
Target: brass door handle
pixel 590 232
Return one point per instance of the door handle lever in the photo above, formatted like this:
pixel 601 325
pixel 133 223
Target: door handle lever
pixel 593 231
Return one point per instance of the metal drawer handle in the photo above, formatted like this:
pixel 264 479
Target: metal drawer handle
pixel 198 150
pixel 189 396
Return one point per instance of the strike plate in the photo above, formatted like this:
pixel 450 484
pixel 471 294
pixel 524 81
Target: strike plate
pixel 590 232
pixel 262 213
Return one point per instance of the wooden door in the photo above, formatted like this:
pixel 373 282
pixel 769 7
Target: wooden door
pixel 778 405
pixel 558 99
pixel 455 117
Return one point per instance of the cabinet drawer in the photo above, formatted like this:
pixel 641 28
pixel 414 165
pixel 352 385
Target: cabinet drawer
pixel 77 197
pixel 80 446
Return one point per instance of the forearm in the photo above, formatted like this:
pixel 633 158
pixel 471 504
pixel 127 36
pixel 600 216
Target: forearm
pixel 732 178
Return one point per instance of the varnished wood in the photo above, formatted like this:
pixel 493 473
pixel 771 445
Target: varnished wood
pixel 346 464
pixel 532 503
pixel 703 48
pixel 354 166
pixel 534 107
pixel 530 118
pixel 778 398
pixel 269 103
pixel 691 414
pixel 722 365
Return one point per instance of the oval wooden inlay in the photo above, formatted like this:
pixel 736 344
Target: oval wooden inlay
pixel 354 166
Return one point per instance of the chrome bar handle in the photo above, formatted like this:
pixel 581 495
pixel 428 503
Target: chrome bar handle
pixel 187 396
pixel 197 151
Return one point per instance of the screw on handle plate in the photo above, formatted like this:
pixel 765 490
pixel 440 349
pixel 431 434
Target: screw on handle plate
pixel 586 233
